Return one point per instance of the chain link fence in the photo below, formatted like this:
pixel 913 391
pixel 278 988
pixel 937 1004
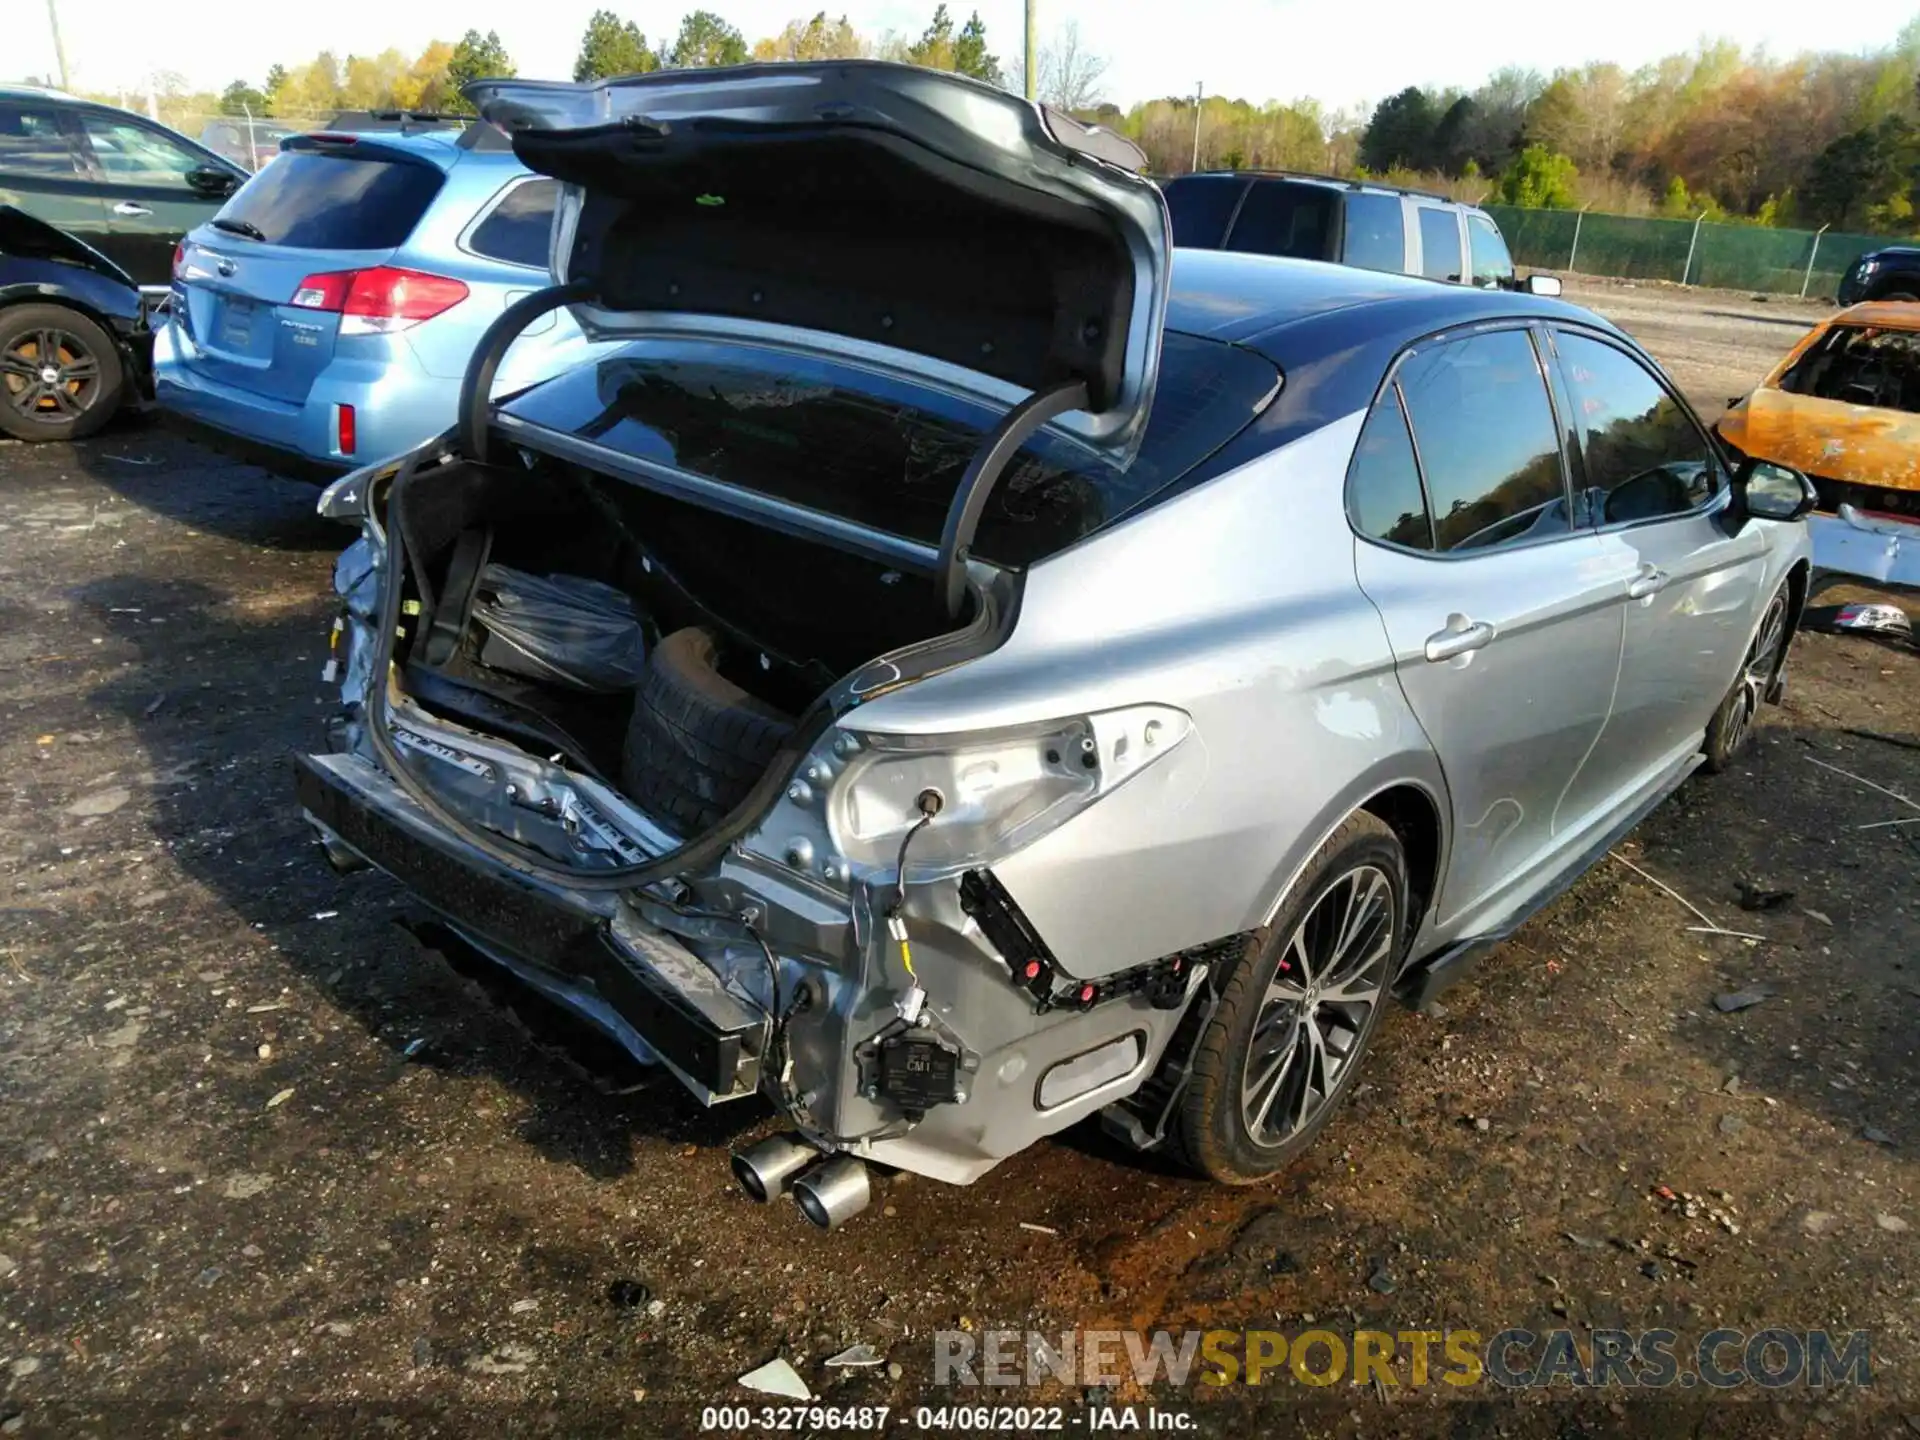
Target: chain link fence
pixel 1687 252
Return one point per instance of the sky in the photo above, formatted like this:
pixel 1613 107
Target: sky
pixel 1341 54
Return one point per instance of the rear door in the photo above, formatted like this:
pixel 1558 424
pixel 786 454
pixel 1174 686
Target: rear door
pixel 1650 484
pixel 1503 617
pixel 43 170
pixel 259 292
pixel 1440 244
pixel 156 187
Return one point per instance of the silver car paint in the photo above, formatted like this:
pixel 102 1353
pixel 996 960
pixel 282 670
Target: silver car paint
pixel 1299 652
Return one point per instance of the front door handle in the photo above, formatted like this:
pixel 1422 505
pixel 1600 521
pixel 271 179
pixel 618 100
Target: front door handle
pixel 1650 581
pixel 128 208
pixel 1461 636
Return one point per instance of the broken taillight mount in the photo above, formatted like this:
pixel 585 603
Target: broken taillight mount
pixel 1033 968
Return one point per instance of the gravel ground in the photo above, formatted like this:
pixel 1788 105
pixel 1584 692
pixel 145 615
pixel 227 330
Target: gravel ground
pixel 266 1166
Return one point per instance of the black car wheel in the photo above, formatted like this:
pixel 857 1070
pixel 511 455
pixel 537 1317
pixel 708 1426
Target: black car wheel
pixel 1897 295
pixel 1297 1014
pixel 60 374
pixel 1732 724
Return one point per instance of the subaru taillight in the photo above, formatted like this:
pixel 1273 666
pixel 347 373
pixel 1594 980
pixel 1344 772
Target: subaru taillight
pixel 179 258
pixel 381 300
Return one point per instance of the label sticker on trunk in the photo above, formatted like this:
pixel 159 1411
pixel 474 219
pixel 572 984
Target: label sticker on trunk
pixel 442 752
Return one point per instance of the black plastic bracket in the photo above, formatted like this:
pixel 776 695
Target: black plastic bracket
pixel 1016 427
pixel 476 386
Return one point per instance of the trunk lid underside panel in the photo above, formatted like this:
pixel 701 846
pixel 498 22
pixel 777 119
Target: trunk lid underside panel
pixel 949 228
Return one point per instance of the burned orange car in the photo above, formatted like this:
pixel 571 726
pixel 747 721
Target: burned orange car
pixel 1844 408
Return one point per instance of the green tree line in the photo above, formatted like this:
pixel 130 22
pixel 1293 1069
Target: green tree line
pixel 1822 138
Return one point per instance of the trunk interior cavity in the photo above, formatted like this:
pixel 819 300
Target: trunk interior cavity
pixel 791 616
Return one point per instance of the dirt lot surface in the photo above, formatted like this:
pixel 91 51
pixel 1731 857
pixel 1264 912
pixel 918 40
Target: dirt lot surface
pixel 266 1167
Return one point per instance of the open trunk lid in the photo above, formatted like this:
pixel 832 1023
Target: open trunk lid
pixel 923 221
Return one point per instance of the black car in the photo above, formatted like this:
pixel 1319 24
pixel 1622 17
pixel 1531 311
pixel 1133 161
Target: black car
pixel 1892 273
pixel 74 342
pixel 1349 222
pixel 124 185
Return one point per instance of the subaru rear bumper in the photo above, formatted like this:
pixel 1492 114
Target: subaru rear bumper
pixel 396 406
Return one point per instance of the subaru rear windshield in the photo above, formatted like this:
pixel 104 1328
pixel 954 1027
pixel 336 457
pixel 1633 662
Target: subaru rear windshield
pixel 883 451
pixel 318 201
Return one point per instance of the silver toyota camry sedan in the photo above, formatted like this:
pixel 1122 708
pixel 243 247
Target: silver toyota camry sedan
pixel 959 667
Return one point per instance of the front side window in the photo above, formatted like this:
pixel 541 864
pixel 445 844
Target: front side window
pixel 1484 431
pixel 32 142
pixel 1492 265
pixel 1643 457
pixel 1376 235
pixel 132 153
pixel 1439 244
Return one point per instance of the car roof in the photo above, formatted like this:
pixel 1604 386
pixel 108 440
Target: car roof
pixel 1881 314
pixel 441 147
pixel 12 91
pixel 1251 299
pixel 1328 182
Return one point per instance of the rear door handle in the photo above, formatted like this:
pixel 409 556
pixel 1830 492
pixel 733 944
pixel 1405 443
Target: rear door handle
pixel 127 207
pixel 1650 581
pixel 1461 636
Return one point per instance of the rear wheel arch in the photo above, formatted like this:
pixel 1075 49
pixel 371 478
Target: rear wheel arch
pixel 1413 814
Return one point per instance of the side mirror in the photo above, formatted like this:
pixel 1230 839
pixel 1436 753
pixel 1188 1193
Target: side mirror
pixel 211 181
pixel 1763 490
pixel 1541 285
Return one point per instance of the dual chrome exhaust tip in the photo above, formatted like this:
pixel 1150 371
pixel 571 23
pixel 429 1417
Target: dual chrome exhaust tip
pixel 829 1191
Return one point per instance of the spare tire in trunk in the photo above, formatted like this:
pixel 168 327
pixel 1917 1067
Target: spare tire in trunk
pixel 697 741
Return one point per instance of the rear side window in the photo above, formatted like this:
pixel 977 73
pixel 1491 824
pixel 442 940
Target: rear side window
pixel 1439 243
pixel 1485 435
pixel 1200 207
pixel 883 451
pixel 1491 262
pixel 1383 483
pixel 335 202
pixel 32 143
pixel 1376 234
pixel 1281 217
pixel 1642 455
pixel 518 228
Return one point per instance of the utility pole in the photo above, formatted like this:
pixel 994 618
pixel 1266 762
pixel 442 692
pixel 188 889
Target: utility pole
pixel 1199 93
pixel 59 50
pixel 1032 71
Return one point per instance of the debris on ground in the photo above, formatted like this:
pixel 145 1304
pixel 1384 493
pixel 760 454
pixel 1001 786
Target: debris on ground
pixel 1818 1222
pixel 777 1377
pixel 855 1356
pixel 1758 898
pixel 512 1358
pixel 1730 1001
pixel 628 1294
pixel 1879 1137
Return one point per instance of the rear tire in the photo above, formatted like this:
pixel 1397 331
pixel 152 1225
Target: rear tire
pixel 60 373
pixel 697 742
pixel 1732 724
pixel 1263 1087
pixel 1907 295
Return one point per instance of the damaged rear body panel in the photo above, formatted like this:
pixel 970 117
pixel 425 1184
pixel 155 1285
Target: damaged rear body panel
pixel 913 674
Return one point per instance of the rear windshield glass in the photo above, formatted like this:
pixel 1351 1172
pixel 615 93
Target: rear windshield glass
pixel 1282 217
pixel 886 452
pixel 335 202
pixel 1200 206
pixel 1862 365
